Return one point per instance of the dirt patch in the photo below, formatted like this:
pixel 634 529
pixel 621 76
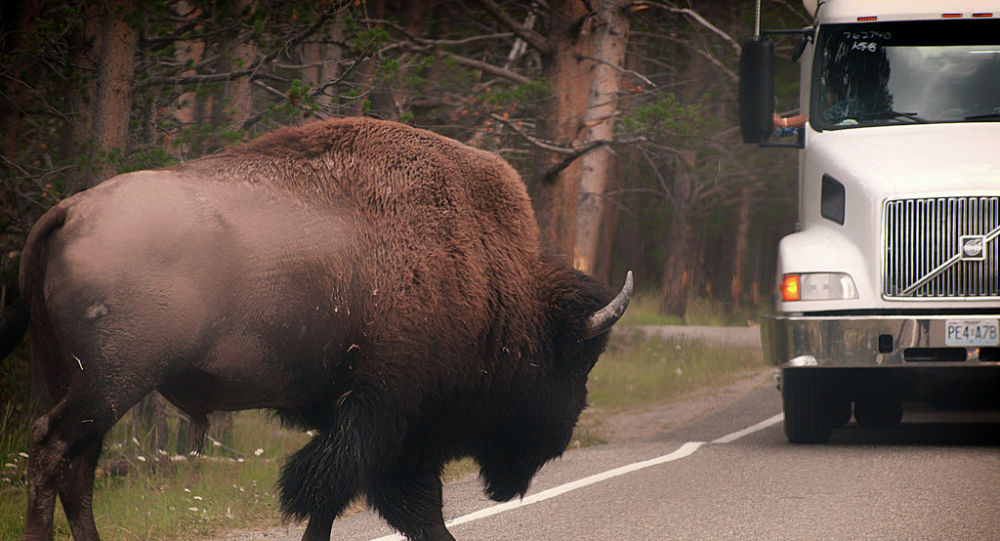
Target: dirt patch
pixel 646 424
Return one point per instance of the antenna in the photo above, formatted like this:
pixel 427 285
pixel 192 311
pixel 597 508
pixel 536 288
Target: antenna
pixel 756 22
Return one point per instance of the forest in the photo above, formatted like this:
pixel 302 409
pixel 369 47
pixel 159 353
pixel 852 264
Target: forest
pixel 620 115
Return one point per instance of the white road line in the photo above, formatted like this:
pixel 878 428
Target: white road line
pixel 729 438
pixel 685 450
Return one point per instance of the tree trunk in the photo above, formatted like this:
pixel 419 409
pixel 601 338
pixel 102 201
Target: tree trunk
pixel 15 94
pixel 115 70
pixel 233 103
pixel 610 36
pixel 81 104
pixel 609 228
pixel 681 242
pixel 740 252
pixel 190 106
pixel 322 61
pixel 557 196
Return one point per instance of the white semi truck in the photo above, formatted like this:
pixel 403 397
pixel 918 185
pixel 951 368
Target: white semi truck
pixel 889 290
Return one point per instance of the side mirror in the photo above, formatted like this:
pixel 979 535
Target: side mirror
pixel 757 89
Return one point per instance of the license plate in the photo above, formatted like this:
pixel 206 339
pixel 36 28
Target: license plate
pixel 972 332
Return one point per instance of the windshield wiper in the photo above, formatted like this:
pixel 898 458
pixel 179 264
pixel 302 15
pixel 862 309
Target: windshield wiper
pixel 982 118
pixel 890 114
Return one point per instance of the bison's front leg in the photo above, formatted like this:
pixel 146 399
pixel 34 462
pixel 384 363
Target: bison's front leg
pixel 318 528
pixel 410 501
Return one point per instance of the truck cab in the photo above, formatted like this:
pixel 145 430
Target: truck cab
pixel 889 290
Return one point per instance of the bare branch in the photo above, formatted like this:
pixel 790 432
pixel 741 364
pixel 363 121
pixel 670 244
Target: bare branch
pixel 558 149
pixel 619 68
pixel 570 154
pixel 252 68
pixel 694 15
pixel 485 66
pixel 536 40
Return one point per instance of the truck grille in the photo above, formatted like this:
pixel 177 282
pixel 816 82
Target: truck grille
pixel 941 247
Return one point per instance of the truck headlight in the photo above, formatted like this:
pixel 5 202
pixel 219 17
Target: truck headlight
pixel 817 286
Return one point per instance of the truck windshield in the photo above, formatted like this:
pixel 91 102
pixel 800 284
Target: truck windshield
pixel 895 73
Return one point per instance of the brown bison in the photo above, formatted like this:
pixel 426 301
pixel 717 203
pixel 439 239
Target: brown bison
pixel 377 283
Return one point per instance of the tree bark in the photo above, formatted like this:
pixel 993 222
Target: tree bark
pixel 21 20
pixel 233 103
pixel 610 36
pixel 323 65
pixel 556 198
pixel 740 252
pixel 190 106
pixel 681 243
pixel 115 71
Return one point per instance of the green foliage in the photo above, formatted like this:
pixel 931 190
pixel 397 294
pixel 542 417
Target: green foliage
pixel 517 94
pixel 144 159
pixel 664 119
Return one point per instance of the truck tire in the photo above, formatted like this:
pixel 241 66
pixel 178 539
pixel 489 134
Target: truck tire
pixel 878 413
pixel 808 417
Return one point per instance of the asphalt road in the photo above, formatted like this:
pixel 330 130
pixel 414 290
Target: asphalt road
pixel 731 475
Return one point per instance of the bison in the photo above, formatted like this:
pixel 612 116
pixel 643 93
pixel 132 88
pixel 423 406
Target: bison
pixel 380 284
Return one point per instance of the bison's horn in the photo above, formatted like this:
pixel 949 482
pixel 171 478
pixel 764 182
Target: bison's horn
pixel 602 320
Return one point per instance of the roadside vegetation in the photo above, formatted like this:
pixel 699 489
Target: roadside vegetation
pixel 644 310
pixel 232 484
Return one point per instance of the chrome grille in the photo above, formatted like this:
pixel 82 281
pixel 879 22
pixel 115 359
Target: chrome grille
pixel 931 248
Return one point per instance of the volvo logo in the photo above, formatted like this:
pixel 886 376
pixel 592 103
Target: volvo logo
pixel 973 247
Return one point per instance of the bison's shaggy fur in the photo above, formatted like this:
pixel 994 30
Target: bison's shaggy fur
pixel 380 284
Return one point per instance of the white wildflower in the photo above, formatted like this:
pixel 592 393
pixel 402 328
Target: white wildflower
pixel 258 452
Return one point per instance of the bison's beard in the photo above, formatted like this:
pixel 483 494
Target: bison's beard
pixel 508 465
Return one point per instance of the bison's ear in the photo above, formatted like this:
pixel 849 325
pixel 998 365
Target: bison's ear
pixel 602 320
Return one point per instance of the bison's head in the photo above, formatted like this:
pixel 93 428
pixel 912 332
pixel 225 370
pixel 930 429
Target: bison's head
pixel 580 312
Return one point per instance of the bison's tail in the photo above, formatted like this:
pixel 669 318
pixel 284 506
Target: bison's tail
pixel 13 327
pixel 16 317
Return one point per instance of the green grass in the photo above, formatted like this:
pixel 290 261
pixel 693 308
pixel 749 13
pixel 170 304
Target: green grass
pixel 644 310
pixel 169 499
pixel 639 369
pixel 192 498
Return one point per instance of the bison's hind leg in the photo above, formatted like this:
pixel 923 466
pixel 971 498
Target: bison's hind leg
pixel 410 500
pixel 65 445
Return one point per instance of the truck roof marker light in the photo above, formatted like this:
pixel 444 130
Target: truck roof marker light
pixel 867 19
pixel 790 287
pixel 951 15
pixel 982 15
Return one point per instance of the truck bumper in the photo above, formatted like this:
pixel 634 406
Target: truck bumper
pixel 869 341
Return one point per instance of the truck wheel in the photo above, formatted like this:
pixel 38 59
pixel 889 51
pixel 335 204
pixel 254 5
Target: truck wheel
pixel 878 413
pixel 840 412
pixel 808 417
